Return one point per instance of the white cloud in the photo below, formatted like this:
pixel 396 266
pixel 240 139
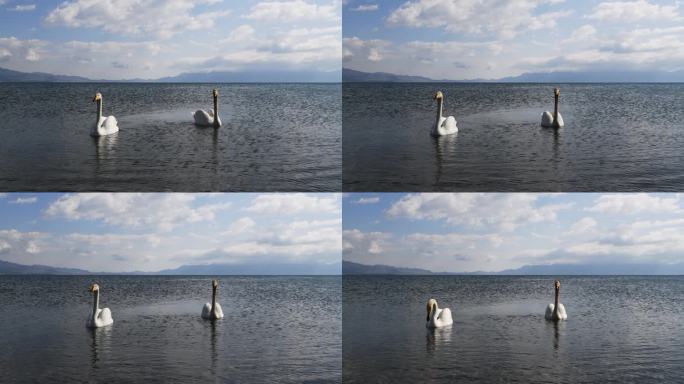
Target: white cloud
pixel 296 10
pixel 366 8
pixel 507 211
pixel 23 7
pixel 633 203
pixel 582 226
pixel 630 11
pixel 367 200
pixel 241 34
pixel 24 200
pixel 163 18
pixel 163 211
pixel 505 19
pixel 295 203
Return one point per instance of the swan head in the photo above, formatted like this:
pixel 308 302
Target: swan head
pixel 214 283
pixel 556 92
pixel 214 92
pixel 438 95
pixel 98 96
pixel 94 287
pixel 431 305
pixel 557 285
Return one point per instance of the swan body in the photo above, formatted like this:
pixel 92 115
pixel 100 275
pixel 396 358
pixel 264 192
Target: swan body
pixel 212 311
pixel 98 317
pixel 206 311
pixel 562 315
pixel 208 118
pixel 547 118
pixel 436 317
pixel 103 125
pixel 443 125
pixel 556 311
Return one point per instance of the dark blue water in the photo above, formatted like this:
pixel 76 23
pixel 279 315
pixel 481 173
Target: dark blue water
pixel 275 329
pixel 617 137
pixel 619 330
pixel 275 137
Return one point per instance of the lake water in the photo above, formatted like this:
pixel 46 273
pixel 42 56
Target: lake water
pixel 617 137
pixel 275 137
pixel 275 329
pixel 619 330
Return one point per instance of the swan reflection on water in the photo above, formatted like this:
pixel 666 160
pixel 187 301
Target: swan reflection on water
pixel 100 341
pixel 445 148
pixel 214 354
pixel 105 146
pixel 437 337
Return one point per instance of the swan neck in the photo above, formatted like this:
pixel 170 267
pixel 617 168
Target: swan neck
pixel 96 302
pixel 215 111
pixel 555 304
pixel 213 303
pixel 99 110
pixel 440 102
pixel 555 108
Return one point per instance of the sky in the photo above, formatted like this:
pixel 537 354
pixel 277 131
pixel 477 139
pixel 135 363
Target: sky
pixel 148 39
pixel 470 232
pixel 491 39
pixel 125 232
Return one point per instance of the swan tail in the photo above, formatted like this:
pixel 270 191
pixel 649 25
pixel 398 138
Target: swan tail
pixel 561 312
pixel 546 119
pixel 218 311
pixel 206 311
pixel 560 120
pixel 445 316
pixel 106 316
pixel 549 312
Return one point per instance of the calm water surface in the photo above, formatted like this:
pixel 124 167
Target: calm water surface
pixel 617 137
pixel 275 137
pixel 275 329
pixel 619 330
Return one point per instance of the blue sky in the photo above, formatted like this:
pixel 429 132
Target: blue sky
pixel 119 39
pixel 148 232
pixel 468 232
pixel 489 39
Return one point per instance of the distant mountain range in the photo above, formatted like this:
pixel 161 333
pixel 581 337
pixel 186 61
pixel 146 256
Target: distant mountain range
pixel 351 268
pixel 262 76
pixel 615 76
pixel 352 76
pixel 8 268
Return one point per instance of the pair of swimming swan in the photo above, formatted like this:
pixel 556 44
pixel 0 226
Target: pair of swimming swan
pixel 447 125
pixel 108 125
pixel 103 317
pixel 437 318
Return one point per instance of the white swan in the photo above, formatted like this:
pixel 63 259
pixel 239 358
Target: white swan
pixel 556 311
pixel 104 125
pixel 443 125
pixel 99 317
pixel 206 118
pixel 436 317
pixel 212 311
pixel 554 120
